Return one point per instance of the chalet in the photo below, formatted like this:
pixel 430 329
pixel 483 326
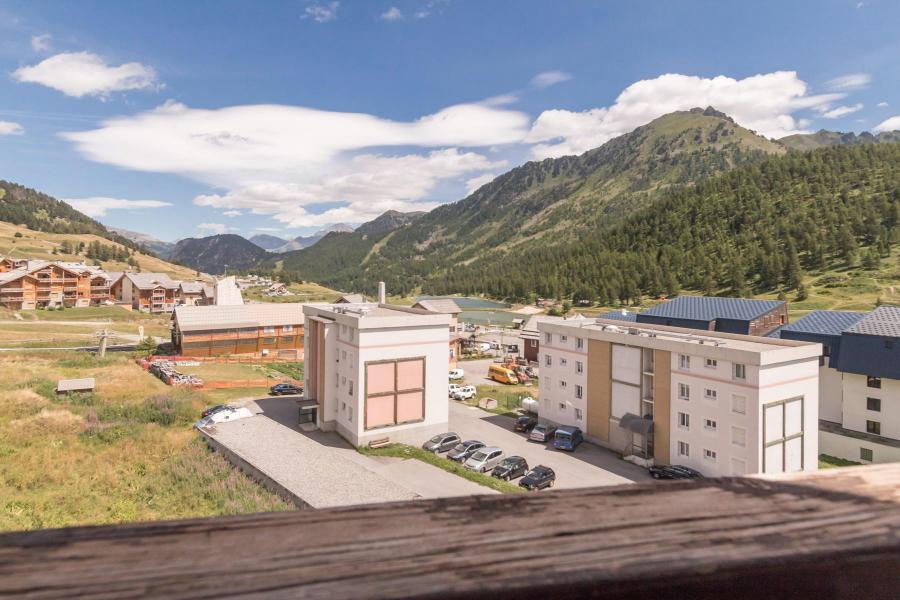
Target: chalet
pixel 191 293
pixel 147 292
pixel 257 329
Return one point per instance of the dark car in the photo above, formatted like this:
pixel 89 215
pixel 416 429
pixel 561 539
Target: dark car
pixel 510 468
pixel 674 472
pixel 212 410
pixel 538 478
pixel 567 438
pixel 441 442
pixel 285 388
pixel 525 423
pixel 464 450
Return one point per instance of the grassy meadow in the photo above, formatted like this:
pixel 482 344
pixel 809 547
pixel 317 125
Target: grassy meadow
pixel 302 292
pixel 125 453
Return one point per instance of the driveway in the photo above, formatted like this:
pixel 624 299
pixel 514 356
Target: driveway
pixel 588 466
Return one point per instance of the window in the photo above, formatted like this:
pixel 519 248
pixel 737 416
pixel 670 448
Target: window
pixel 579 416
pixel 739 436
pixel 548 360
pixel 343 407
pixel 352 333
pixel 684 420
pixel 740 371
pixel 548 337
pixel 394 392
pixel 739 405
pixel 579 392
pixel 562 383
pixel 350 414
pixel 710 393
pixel 684 449
pixel 684 391
pixel 710 424
pixel 563 362
pixel 873 404
pixel 873 382
pixel 343 330
pixel 712 363
pixel 350 387
pixel 563 338
pixel 684 361
pixel 343 355
pixel 287 328
pixel 545 381
pixel 343 381
pixel 562 406
pixel 866 454
pixel 579 343
pixel 782 436
pixel 709 454
pixel 873 427
pixel 532 343
pixel 579 366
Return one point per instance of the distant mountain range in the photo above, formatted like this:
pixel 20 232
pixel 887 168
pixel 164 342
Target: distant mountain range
pixel 301 242
pixel 217 253
pixel 267 242
pixel 159 247
pixel 824 138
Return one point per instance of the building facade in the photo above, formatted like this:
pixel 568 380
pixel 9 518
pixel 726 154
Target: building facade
pixel 724 404
pixel 531 337
pixel 376 371
pixel 859 379
pixel 446 306
pixel 263 329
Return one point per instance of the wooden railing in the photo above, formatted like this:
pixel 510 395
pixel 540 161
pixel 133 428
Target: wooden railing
pixel 829 535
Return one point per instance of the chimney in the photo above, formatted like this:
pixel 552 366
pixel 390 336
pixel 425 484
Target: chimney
pixel 382 294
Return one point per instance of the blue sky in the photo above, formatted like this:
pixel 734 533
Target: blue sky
pixel 181 119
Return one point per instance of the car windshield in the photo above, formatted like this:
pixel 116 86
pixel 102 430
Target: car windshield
pixel 460 447
pixel 479 456
pixel 563 435
pixel 540 428
pixel 436 439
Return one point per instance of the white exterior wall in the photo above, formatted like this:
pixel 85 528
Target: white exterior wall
pixel 559 403
pixel 855 413
pixel 844 446
pixel 731 458
pixel 831 393
pixel 793 380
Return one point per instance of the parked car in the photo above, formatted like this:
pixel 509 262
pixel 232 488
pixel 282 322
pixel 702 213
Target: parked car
pixel 452 388
pixel 567 438
pixel 674 472
pixel 441 442
pixel 484 459
pixel 465 392
pixel 456 374
pixel 285 388
pixel 223 416
pixel 212 409
pixel 542 433
pixel 538 478
pixel 463 450
pixel 525 423
pixel 510 467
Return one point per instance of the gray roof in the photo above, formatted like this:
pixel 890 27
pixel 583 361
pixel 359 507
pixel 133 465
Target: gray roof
pixel 351 299
pixel 439 305
pixel 192 287
pixel 148 281
pixel 706 308
pixel 824 322
pixel 532 324
pixel 199 318
pixel 620 315
pixel 883 321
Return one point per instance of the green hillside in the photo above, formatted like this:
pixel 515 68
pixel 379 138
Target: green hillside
pixel 824 138
pixel 551 203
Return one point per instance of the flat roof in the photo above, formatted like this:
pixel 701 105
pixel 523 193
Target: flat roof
pixel 709 308
pixel 263 314
pixel 373 315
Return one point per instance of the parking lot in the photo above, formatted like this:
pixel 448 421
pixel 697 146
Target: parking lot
pixel 588 466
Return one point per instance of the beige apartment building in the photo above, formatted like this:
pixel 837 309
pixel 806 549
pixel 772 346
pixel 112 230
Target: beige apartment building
pixel 724 404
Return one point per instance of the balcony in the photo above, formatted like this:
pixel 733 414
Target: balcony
pixel 11 290
pixel 826 535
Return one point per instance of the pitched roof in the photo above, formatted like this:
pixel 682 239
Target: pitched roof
pixel 148 281
pixel 824 322
pixel 439 305
pixel 620 315
pixel 351 299
pixel 192 287
pixel 264 314
pixel 13 275
pixel 883 321
pixel 706 308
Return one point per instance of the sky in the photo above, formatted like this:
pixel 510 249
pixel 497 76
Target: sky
pixel 185 119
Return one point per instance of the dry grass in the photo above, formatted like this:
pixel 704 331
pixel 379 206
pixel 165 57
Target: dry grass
pixel 124 453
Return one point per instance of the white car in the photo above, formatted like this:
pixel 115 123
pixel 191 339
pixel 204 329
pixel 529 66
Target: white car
pixel 224 416
pixel 454 387
pixel 484 460
pixel 464 393
pixel 457 373
pixel 484 347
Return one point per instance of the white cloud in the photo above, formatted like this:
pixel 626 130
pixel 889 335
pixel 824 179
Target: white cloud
pixel 214 228
pixel 321 13
pixel 392 14
pixel 891 124
pixel 81 74
pixel 763 103
pixel 11 128
pixel 232 213
pixel 548 78
pixel 476 182
pixel 841 111
pixel 98 206
pixel 853 81
pixel 41 43
pixel 882 104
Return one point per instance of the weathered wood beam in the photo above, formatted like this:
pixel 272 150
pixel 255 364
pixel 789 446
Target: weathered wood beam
pixel 834 534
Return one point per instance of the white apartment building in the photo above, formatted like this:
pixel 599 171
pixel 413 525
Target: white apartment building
pixel 724 404
pixel 376 371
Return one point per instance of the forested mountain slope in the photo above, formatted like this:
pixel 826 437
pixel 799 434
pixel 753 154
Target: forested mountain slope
pixel 824 138
pixel 546 203
pixel 217 253
pixel 754 228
